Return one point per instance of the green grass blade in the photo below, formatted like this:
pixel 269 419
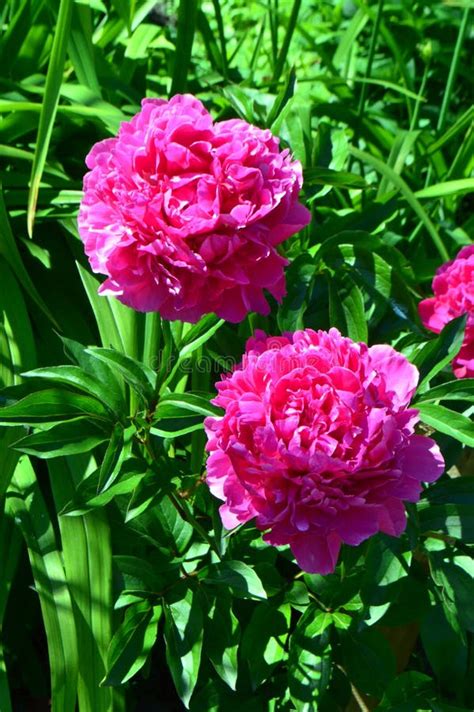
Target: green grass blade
pixel 220 30
pixel 407 193
pixel 10 547
pixel 116 322
pixel 187 18
pixel 88 564
pixel 25 502
pixel 450 187
pixel 81 49
pixel 344 49
pixel 50 104
pixel 373 44
pixel 283 53
pixel 9 250
pixel 453 70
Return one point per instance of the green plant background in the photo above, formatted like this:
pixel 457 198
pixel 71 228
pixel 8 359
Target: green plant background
pixel 119 590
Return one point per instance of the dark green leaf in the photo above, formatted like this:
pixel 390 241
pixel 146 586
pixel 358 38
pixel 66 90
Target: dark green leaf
pixel 69 438
pixel 368 661
pixel 241 579
pixel 132 643
pixel 50 406
pixel 309 663
pixel 447 421
pixel 222 639
pixel 183 636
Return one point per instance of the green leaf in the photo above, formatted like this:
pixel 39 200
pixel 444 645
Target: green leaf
pixel 50 103
pixel 221 639
pixel 9 250
pixel 447 421
pixel 368 661
pixel 407 193
pixel 459 490
pixel 50 406
pixel 300 275
pixel 87 553
pixel 174 428
pixel 131 645
pixel 199 334
pixel 385 566
pixel 460 389
pixel 346 308
pixel 26 504
pixel 409 692
pixel 450 187
pixel 184 636
pixel 140 377
pixel 458 586
pixel 115 321
pixel 178 531
pixel 239 577
pixel 456 520
pixel 180 405
pixel 264 641
pixel 445 649
pixel 82 380
pixel 117 451
pixel 309 662
pixel 283 97
pixel 81 48
pixel 319 175
pixel 440 351
pixel 69 438
pixel 85 496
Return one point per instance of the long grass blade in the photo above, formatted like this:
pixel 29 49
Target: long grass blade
pixel 87 556
pixel 283 53
pixel 407 193
pixel 25 502
pixel 49 106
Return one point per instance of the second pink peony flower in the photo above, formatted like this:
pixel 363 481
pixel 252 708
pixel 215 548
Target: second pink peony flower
pixel 317 443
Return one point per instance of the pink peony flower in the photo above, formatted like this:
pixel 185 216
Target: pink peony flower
pixel 183 215
pixel 453 288
pixel 317 443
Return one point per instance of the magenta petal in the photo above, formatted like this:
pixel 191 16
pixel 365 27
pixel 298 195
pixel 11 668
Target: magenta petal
pixel 422 459
pixel 317 554
pixel 400 376
pixel 357 524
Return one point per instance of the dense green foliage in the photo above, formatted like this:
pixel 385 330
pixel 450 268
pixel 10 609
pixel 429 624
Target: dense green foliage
pixel 119 589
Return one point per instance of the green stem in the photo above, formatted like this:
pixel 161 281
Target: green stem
pixel 184 511
pixel 453 70
pixel 449 84
pixel 373 44
pixel 220 30
pixel 416 113
pixel 152 337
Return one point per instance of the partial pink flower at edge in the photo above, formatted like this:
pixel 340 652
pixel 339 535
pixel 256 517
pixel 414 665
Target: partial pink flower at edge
pixel 317 443
pixel 453 288
pixel 183 215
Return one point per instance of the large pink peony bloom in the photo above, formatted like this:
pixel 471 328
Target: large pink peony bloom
pixel 453 288
pixel 183 215
pixel 317 443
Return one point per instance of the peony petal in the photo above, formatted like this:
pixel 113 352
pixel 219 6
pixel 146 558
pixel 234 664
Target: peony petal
pixel 422 459
pixel 317 554
pixel 400 376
